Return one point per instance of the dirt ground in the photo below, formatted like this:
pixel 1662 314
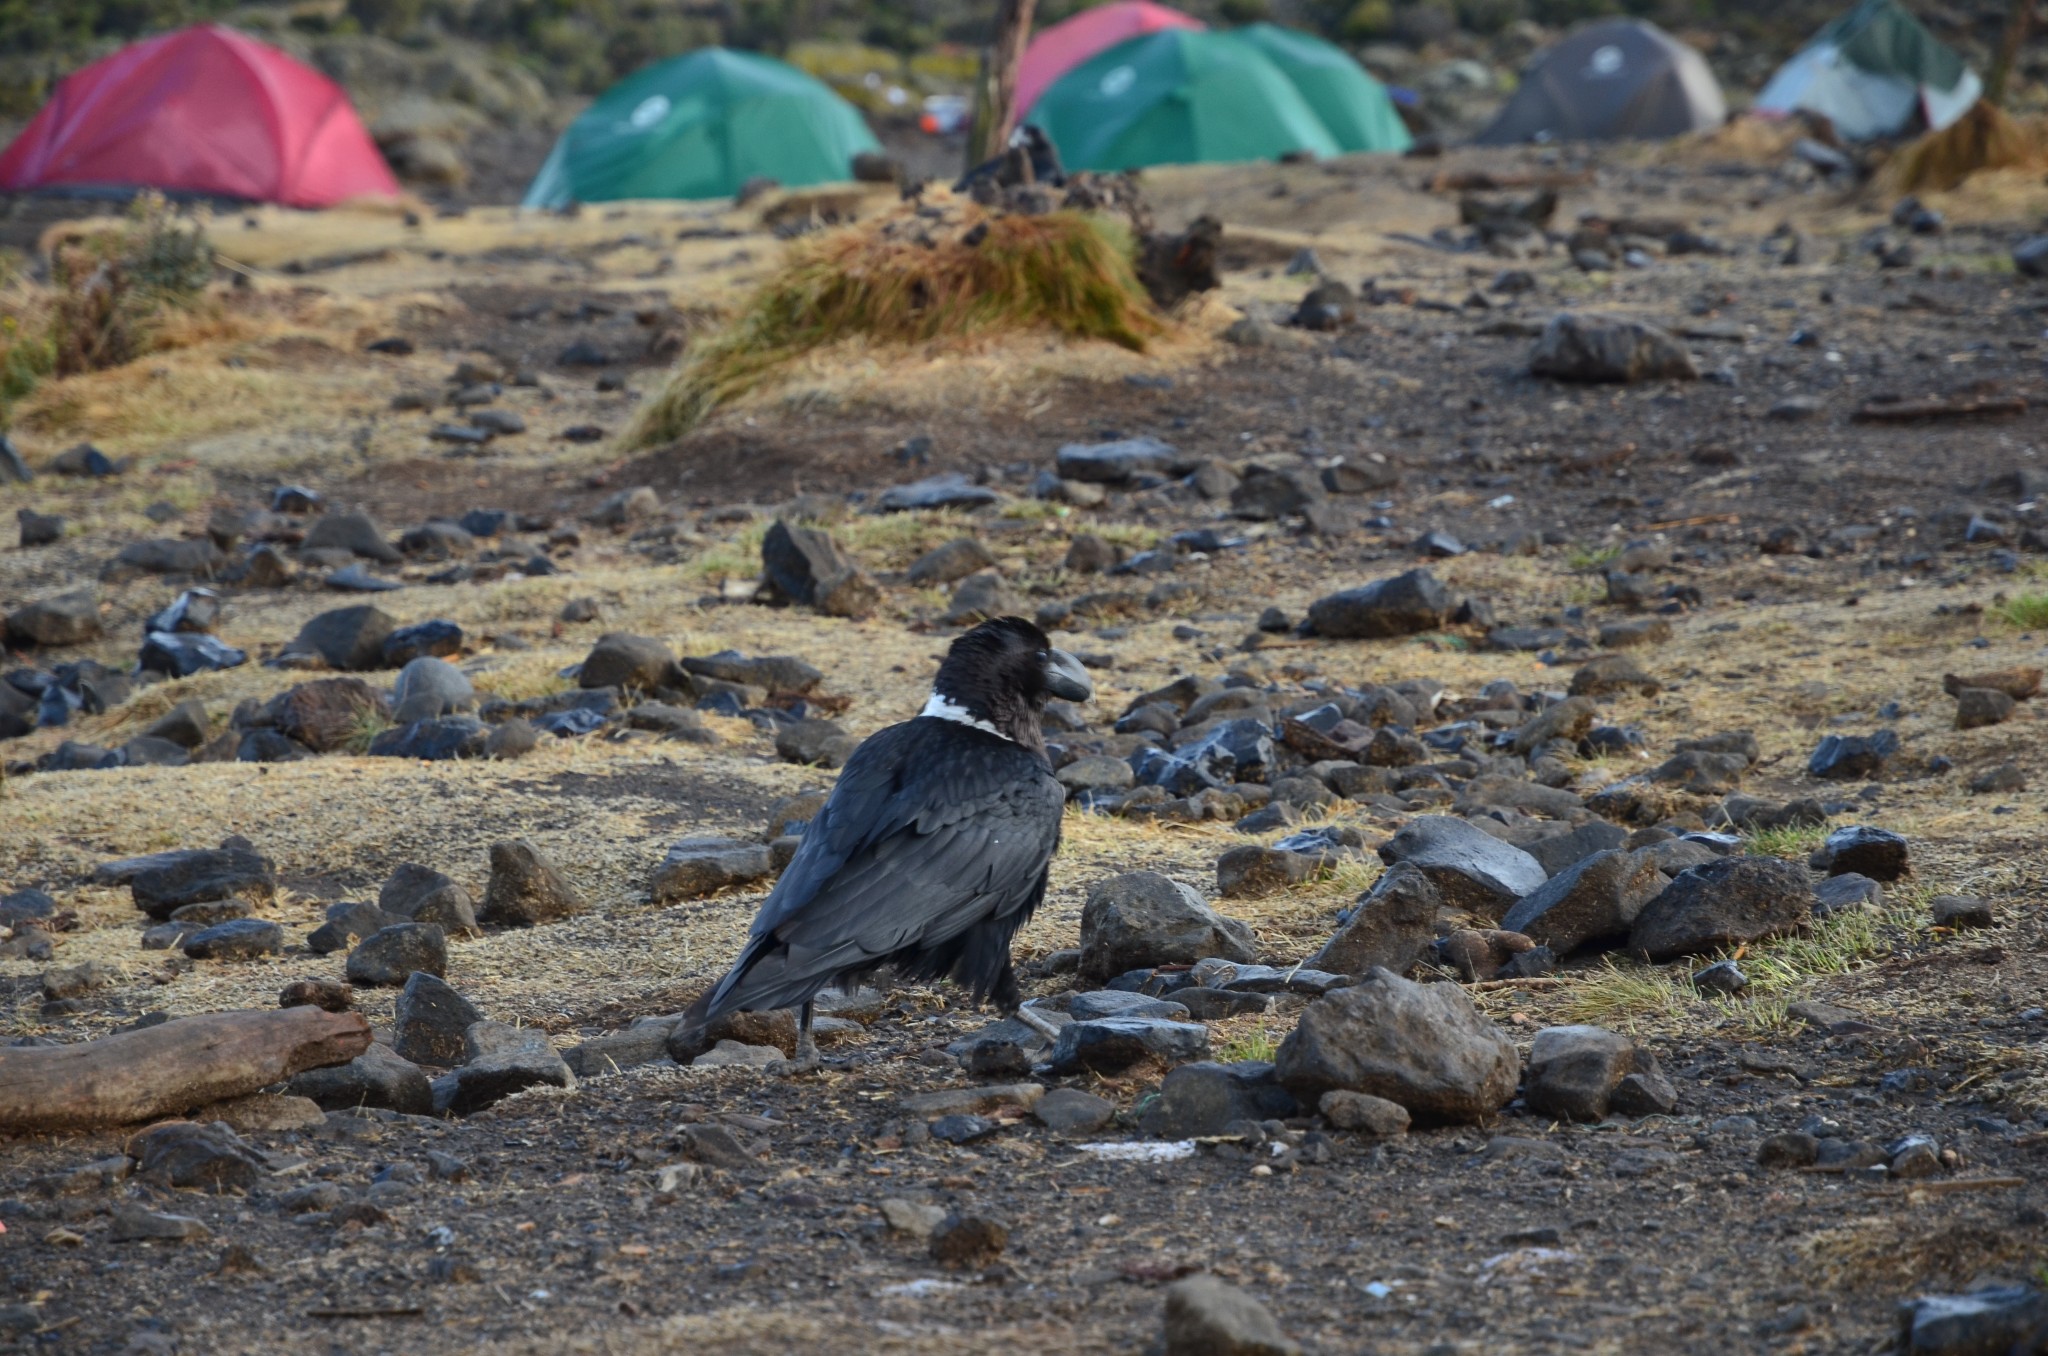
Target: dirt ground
pixel 554 1234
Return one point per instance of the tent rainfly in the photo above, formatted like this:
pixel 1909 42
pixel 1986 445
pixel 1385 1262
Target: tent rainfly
pixel 204 110
pixel 1056 50
pixel 1354 106
pixel 699 126
pixel 1609 81
pixel 1177 98
pixel 1874 72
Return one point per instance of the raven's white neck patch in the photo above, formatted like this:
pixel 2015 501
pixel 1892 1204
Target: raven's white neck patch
pixel 945 708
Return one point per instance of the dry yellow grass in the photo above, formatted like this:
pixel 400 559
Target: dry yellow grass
pixel 1985 138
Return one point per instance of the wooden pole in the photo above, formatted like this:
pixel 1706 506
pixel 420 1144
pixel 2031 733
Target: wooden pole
pixel 170 1068
pixel 2014 38
pixel 995 96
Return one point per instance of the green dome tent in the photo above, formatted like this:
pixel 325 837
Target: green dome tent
pixel 699 126
pixel 1352 104
pixel 1177 97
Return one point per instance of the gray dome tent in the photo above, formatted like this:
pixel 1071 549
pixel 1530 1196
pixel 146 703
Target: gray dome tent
pixel 1614 79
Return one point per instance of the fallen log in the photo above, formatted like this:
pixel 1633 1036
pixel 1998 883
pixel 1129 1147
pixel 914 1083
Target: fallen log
pixel 169 1069
pixel 1921 411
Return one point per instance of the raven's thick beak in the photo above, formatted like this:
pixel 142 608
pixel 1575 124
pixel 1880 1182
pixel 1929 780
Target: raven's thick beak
pixel 1066 679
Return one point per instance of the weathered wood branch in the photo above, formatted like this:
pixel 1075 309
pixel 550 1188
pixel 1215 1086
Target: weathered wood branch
pixel 169 1069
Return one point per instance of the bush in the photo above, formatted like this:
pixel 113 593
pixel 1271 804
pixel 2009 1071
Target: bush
pixel 113 287
pixel 1368 21
pixel 1245 11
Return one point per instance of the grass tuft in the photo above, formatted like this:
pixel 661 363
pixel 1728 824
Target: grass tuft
pixel 1794 842
pixel 1256 1044
pixel 2028 612
pixel 892 282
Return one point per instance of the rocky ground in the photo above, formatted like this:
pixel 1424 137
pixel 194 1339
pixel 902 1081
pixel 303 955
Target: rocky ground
pixel 1550 864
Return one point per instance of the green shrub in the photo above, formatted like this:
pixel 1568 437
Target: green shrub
pixel 113 287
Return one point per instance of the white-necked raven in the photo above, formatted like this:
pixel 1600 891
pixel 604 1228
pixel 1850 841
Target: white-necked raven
pixel 932 850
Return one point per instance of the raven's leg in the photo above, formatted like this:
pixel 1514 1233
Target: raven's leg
pixel 807 1058
pixel 1009 1001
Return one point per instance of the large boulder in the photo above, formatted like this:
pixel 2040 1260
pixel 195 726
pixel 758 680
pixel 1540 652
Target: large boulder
pixel 1471 869
pixel 1143 919
pixel 355 533
pixel 1722 904
pixel 1205 1098
pixel 67 619
pixel 347 638
pixel 806 566
pixel 499 1060
pixel 1584 347
pixel 1580 1073
pixel 1390 926
pixel 1116 462
pixel 427 896
pixel 172 880
pixel 379 1077
pixel 526 888
pixel 631 664
pixel 428 688
pixel 1400 606
pixel 431 1020
pixel 704 865
pixel 1206 1316
pixel 1594 900
pixel 1423 1046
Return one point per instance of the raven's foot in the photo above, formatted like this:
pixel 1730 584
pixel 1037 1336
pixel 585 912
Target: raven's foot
pixel 807 1058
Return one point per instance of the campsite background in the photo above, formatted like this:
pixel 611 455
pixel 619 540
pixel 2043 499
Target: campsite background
pixel 466 97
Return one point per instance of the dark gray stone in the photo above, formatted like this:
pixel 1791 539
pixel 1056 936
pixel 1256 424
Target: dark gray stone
pixel 1111 1044
pixel 1205 1098
pixel 631 664
pixel 2000 1321
pixel 427 896
pixel 392 955
pixel 171 880
pixel 66 619
pixel 378 1077
pixel 1865 850
pixel 951 490
pixel 1723 904
pixel 1206 1316
pixel 957 559
pixel 1556 853
pixel 1594 900
pixel 526 888
pixel 1403 605
pixel 1578 1073
pixel 696 867
pixel 1471 869
pixel 1143 919
pixel 1116 462
pixel 1425 1047
pixel 347 923
pixel 1070 1111
pixel 499 1060
pixel 351 532
pixel 236 939
pixel 1585 347
pixel 1852 757
pixel 347 638
pixel 430 1021
pixel 1390 926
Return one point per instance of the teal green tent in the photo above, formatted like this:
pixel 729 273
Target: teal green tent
pixel 1177 97
pixel 1352 104
pixel 699 126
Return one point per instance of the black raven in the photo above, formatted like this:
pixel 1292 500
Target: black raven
pixel 932 850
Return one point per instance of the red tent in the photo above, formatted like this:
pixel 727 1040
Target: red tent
pixel 1067 44
pixel 203 110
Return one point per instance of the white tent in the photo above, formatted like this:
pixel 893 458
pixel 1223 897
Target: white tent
pixel 1874 72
